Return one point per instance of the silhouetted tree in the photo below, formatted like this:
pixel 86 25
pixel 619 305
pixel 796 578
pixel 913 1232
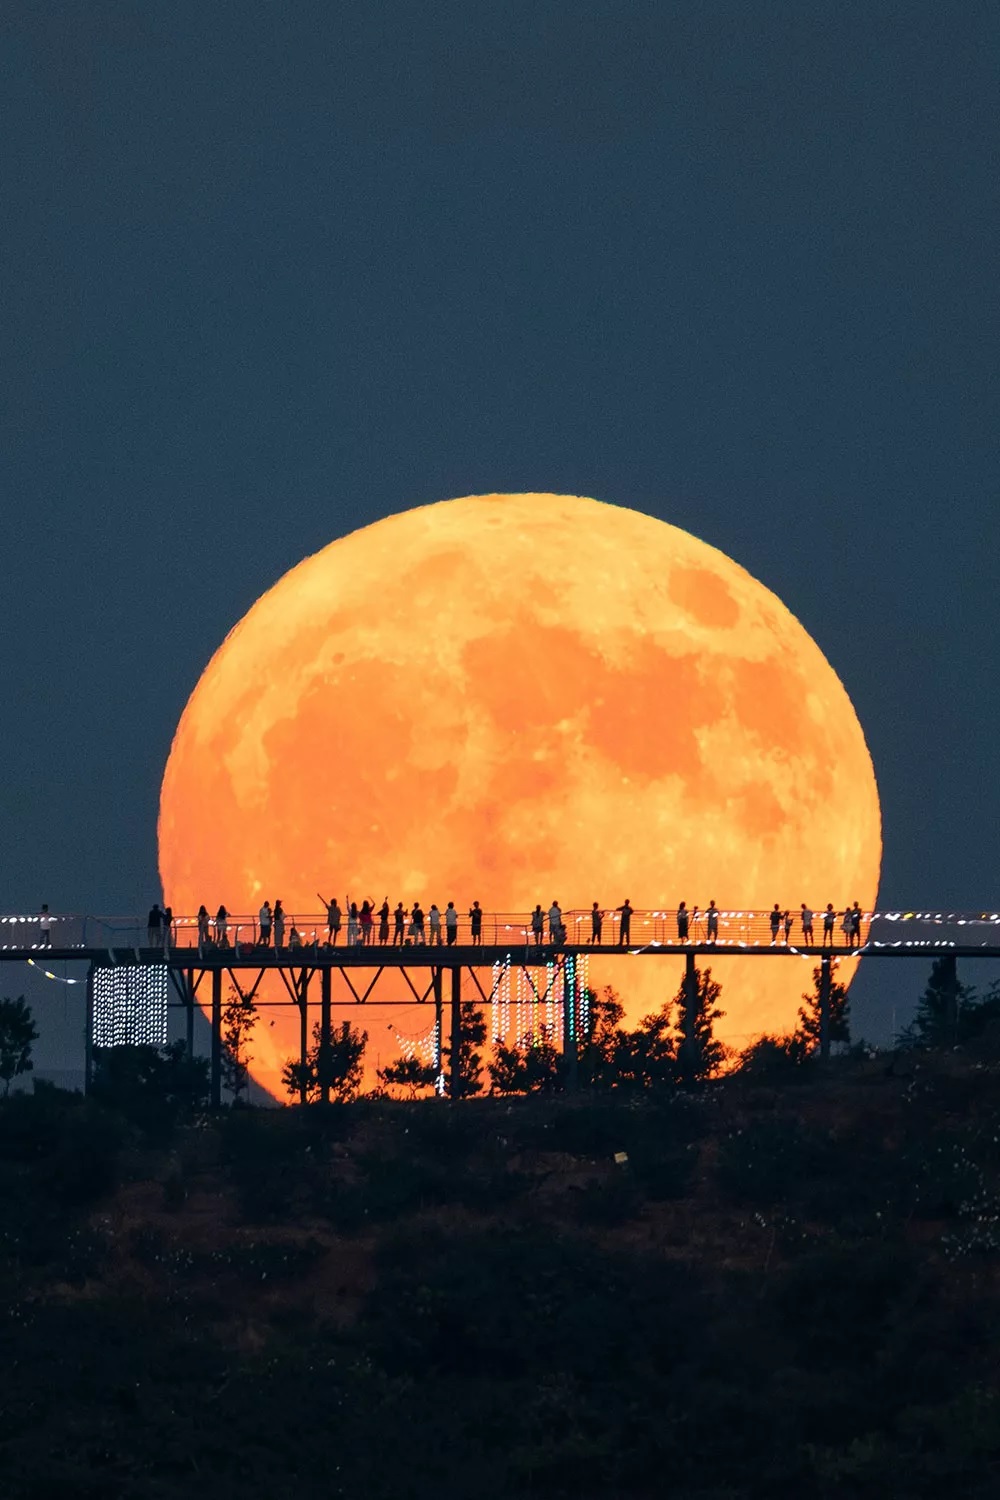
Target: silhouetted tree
pixel 339 1066
pixel 472 1035
pixel 808 1030
pixel 17 1032
pixel 773 1057
pixel 699 1053
pixel 648 1055
pixel 410 1073
pixel 536 1069
pixel 152 1086
pixel 599 1040
pixel 239 1018
pixel 946 1011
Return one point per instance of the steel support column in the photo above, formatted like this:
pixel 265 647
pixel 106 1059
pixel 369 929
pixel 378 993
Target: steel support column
pixel 216 1073
pixel 325 993
pixel 456 1032
pixel 189 1013
pixel 689 1019
pixel 303 989
pixel 825 980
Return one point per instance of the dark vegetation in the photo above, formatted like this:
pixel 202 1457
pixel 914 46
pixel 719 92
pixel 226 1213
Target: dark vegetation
pixel 780 1282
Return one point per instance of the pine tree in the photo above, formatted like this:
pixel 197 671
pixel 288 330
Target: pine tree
pixel 238 1021
pixel 472 1035
pixel 947 1012
pixel 647 1055
pixel 808 1031
pixel 17 1032
pixel 536 1069
pixel 598 1043
pixel 699 1053
pixel 409 1073
pixel 339 1066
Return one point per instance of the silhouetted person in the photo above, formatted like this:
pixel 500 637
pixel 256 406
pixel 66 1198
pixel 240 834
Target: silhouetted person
pixel 154 926
pixel 44 926
pixel 683 922
pixel 829 923
pixel 366 920
pixel 222 927
pixel 353 925
pixel 807 926
pixel 451 924
pixel 294 940
pixel 204 935
pixel 846 924
pixel 264 926
pixel 555 922
pixel 383 922
pixel 168 928
pixel 417 923
pixel 775 920
pixel 538 925
pixel 712 923
pixel 476 922
pixel 279 926
pixel 399 925
pixel 855 935
pixel 787 920
pixel 625 927
pixel 596 922
pixel 334 916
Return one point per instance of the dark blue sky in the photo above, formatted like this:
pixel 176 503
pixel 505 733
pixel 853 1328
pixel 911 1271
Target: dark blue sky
pixel 271 272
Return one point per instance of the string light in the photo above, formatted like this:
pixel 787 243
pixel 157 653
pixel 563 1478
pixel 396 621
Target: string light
pixel 130 1005
pixel 423 1045
pixel 59 978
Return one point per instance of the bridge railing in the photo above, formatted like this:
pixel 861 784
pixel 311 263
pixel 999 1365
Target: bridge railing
pixel 736 929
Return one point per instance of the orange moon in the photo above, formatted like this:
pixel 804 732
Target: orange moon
pixel 521 698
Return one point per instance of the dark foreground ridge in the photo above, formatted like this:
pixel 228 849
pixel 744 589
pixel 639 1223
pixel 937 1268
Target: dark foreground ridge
pixel 770 1286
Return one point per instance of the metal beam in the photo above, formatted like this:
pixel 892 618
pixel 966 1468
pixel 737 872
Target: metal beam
pixel 216 1069
pixel 325 995
pixel 456 1033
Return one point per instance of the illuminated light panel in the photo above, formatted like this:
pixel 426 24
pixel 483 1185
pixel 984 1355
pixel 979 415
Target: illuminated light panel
pixel 130 1005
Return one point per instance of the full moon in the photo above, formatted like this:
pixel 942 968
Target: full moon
pixel 515 699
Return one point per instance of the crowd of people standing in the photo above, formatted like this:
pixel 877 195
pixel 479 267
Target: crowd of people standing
pixel 364 925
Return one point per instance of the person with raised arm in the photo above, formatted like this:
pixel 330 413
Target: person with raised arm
pixel 334 916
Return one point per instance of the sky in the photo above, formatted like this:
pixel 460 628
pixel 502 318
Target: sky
pixel 270 273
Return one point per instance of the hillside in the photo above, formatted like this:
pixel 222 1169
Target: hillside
pixel 784 1289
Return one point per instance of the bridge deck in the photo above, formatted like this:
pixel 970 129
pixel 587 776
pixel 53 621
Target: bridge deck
pixel 466 955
